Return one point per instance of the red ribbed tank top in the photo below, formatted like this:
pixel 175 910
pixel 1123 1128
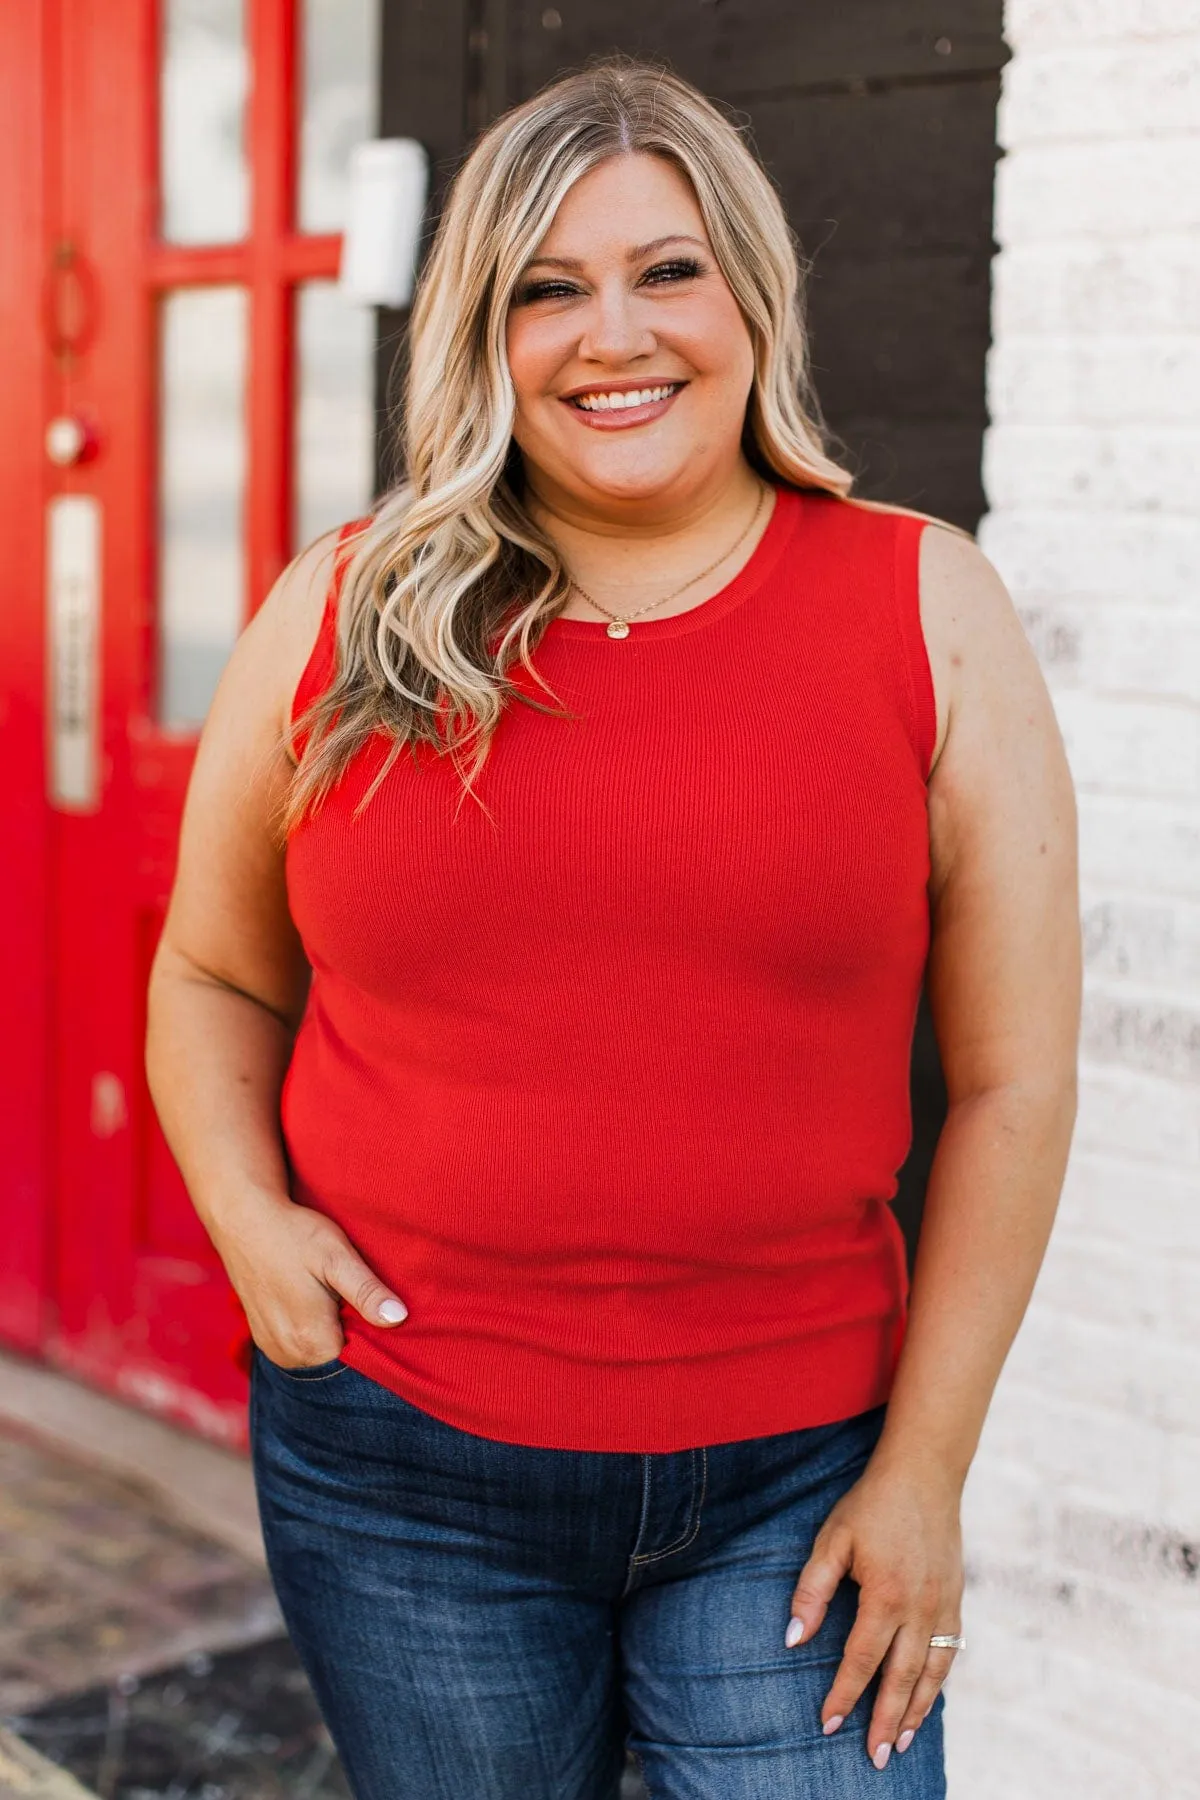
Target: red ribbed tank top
pixel 612 1086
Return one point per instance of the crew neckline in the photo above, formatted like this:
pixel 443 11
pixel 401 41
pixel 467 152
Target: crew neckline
pixel 785 514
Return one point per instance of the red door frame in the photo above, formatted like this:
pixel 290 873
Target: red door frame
pixel 24 824
pixel 88 1286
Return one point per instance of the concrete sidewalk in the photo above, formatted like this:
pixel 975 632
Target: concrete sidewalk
pixel 131 1564
pixel 199 1484
pixel 24 1775
pixel 104 1580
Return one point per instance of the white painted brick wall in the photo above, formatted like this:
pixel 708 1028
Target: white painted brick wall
pixel 1082 287
pixel 1042 25
pixel 1082 1522
pixel 1082 93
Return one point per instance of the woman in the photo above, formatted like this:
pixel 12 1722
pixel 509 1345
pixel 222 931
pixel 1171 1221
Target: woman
pixel 631 759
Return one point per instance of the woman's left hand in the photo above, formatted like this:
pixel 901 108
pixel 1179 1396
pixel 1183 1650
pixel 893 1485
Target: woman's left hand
pixel 897 1532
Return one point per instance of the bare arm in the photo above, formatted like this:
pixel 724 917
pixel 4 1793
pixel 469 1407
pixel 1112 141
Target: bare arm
pixel 1004 980
pixel 227 992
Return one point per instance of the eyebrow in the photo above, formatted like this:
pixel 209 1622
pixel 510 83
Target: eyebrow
pixel 634 255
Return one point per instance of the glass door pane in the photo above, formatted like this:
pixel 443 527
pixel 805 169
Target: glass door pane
pixel 205 74
pixel 202 480
pixel 335 409
pixel 339 102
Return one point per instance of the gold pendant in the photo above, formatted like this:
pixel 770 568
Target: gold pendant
pixel 618 629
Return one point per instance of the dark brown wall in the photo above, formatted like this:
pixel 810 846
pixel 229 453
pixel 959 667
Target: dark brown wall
pixel 877 120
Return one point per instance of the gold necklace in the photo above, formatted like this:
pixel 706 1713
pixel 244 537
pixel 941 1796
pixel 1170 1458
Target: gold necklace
pixel 619 628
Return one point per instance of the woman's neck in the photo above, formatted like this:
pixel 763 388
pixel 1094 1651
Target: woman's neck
pixel 628 559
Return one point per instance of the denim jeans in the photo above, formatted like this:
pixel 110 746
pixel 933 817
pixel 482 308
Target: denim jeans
pixel 488 1621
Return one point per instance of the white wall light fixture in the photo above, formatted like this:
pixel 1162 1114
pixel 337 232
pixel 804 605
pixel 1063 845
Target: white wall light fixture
pixel 389 181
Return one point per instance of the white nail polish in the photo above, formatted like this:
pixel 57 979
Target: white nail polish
pixel 393 1311
pixel 881 1755
pixel 793 1634
pixel 905 1738
pixel 831 1725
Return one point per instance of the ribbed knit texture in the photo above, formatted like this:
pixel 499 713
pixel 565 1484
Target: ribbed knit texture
pixel 612 1088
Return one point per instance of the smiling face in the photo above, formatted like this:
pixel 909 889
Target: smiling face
pixel 631 360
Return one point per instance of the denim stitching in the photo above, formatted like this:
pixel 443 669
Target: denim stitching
pixel 691 1529
pixel 294 1375
pixel 634 1559
pixel 645 1508
pixel 641 1769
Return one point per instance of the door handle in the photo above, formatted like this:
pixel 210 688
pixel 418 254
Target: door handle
pixel 69 303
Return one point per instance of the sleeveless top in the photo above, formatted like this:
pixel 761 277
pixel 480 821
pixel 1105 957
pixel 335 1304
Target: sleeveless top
pixel 611 1083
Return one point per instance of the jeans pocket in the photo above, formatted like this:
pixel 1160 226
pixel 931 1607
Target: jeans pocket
pixel 322 1371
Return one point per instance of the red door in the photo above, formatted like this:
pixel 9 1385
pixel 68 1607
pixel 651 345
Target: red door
pixel 208 399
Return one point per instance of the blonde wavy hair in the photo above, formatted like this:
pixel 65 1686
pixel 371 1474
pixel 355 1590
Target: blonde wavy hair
pixel 451 580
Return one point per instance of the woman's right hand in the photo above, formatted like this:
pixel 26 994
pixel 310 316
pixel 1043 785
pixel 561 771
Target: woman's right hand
pixel 291 1268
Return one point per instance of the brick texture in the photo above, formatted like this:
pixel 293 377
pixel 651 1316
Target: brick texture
pixel 1082 1522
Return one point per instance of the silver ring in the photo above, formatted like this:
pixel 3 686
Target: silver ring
pixel 947 1641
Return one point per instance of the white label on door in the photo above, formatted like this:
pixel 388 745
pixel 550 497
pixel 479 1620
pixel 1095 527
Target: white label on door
pixel 73 620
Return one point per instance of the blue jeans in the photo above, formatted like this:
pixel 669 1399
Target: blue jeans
pixel 488 1621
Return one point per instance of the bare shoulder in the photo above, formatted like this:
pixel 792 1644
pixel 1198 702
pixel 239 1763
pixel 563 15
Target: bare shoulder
pixel 276 645
pixel 979 654
pixel 1000 787
pixel 243 750
pixel 228 911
